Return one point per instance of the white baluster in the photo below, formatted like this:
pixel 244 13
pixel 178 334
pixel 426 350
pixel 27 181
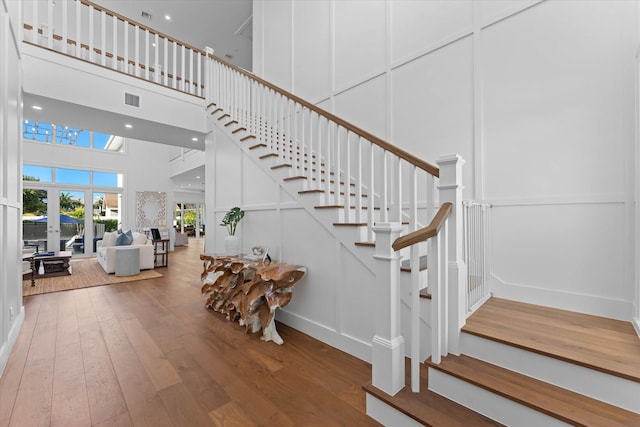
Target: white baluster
pixel 91 35
pixel 199 88
pixel 319 166
pixel 183 73
pixel 329 161
pixel 156 62
pixel 147 63
pixel 103 37
pixel 65 23
pixel 415 283
pixel 347 176
pixel 433 271
pixel 175 65
pixel 371 193
pixel 78 29
pixel 49 34
pixel 114 63
pixel 359 183
pixel 34 18
pixel 125 47
pixel 384 196
pixel 136 32
pixel 165 68
pixel 397 215
pixel 338 152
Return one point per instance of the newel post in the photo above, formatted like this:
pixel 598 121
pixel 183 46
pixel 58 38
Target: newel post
pixel 208 72
pixel 450 188
pixel 387 345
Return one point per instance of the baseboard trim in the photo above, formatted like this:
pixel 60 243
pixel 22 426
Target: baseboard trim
pixel 582 303
pixel 5 350
pixel 636 325
pixel 387 415
pixel 326 334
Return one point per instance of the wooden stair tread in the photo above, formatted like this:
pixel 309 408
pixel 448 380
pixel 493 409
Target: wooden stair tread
pixel 350 224
pixel 565 405
pixel 606 345
pixel 342 206
pixel 406 264
pixel 429 408
pixel 367 244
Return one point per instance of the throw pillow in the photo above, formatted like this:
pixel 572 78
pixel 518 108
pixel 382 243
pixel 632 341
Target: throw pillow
pixel 124 239
pixel 139 239
pixel 109 238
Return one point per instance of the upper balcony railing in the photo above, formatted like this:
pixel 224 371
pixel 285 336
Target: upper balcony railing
pixel 92 33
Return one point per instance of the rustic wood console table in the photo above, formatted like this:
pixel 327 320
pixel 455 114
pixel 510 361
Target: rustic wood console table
pixel 249 291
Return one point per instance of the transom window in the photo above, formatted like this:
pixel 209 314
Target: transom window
pixel 71 176
pixel 65 135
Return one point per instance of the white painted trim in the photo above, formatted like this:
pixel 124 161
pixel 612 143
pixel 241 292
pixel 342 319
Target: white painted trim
pixel 387 415
pixel 263 207
pixel 442 43
pixel 6 348
pixel 515 9
pixel 491 405
pixel 589 382
pixel 326 334
pixel 569 199
pixel 636 325
pixel 583 303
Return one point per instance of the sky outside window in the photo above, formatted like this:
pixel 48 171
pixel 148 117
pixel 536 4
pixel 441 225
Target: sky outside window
pixel 40 173
pixel 72 176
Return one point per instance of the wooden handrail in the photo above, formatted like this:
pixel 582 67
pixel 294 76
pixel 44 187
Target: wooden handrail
pixel 138 24
pixel 425 232
pixel 418 162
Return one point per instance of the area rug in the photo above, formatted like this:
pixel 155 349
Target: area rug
pixel 85 274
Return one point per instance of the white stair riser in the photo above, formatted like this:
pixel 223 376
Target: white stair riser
pixel 598 385
pixel 388 416
pixel 491 405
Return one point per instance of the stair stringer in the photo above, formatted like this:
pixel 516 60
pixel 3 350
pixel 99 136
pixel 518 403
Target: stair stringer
pixel 347 236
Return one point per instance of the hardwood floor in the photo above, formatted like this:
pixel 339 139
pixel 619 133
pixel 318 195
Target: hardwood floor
pixel 149 353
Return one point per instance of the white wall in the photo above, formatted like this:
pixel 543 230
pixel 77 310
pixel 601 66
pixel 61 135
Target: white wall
pixel 538 97
pixel 11 309
pixel 143 165
pixel 328 302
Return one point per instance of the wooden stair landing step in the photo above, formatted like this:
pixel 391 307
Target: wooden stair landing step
pixel 606 345
pixel 406 264
pixel 429 408
pixel 560 403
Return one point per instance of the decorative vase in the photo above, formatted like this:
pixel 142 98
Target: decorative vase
pixel 232 245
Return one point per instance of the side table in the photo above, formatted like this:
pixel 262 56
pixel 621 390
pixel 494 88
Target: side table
pixel 127 261
pixel 160 252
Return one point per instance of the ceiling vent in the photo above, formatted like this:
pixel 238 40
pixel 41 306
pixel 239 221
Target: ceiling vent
pixel 132 100
pixel 146 15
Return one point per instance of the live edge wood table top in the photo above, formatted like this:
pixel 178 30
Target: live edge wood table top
pixel 249 291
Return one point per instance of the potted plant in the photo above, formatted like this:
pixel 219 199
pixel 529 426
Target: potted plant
pixel 231 220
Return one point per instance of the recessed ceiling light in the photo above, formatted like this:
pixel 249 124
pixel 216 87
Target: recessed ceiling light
pixel 194 139
pixel 167 17
pixel 198 177
pixel 128 126
pixel 37 107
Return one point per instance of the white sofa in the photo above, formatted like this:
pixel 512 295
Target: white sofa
pixel 106 251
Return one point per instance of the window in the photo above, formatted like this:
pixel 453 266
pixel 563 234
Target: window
pixel 36 173
pixel 107 179
pixel 72 176
pixel 65 135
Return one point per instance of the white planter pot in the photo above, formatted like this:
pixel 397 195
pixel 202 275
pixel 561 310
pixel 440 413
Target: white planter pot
pixel 232 246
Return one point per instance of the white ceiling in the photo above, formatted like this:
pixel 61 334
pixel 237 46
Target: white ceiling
pixel 224 25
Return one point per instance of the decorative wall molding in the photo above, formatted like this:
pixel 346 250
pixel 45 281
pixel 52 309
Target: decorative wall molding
pixel 151 209
pixel 6 347
pixel 572 301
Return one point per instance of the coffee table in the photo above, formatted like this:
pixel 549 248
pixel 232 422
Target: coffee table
pixel 53 263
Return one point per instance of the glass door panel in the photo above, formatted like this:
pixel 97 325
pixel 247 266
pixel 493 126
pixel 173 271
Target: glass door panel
pixel 35 219
pixel 72 219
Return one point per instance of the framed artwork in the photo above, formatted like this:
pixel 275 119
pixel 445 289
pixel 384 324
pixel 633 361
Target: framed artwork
pixel 151 209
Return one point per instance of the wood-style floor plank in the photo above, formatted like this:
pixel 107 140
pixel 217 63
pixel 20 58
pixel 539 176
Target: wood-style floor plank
pixel 147 353
pixel 606 345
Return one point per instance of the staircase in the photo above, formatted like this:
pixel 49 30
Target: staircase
pixel 511 363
